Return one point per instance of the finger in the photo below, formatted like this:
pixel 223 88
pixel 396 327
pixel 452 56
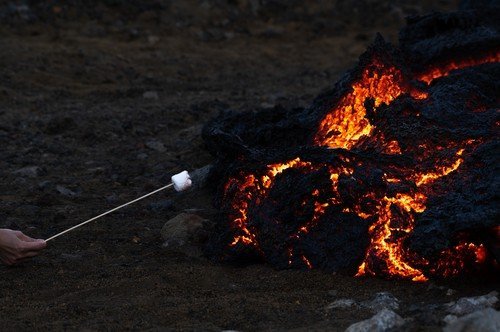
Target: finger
pixel 29 254
pixel 35 245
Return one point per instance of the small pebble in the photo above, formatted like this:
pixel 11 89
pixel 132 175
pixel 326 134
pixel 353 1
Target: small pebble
pixel 65 191
pixel 150 95
pixel 29 171
pixel 156 145
pixel 450 292
pixel 341 304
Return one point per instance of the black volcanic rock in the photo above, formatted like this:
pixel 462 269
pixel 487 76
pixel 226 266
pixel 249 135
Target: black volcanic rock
pixel 436 190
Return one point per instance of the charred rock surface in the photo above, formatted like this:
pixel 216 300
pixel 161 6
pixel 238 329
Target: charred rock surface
pixel 392 172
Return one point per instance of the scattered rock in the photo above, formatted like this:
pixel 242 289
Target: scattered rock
pixel 112 199
pixel 150 95
pixel 485 320
pixel 382 300
pixel 45 185
pixel 65 191
pixel 266 104
pixel 448 319
pixel 333 292
pixel 96 170
pixel 450 292
pixel 433 286
pixel 22 11
pixel 152 40
pixel 156 145
pixel 383 321
pixel 467 305
pixel 142 156
pixel 341 304
pixel 229 35
pixel 133 33
pixel 30 171
pixel 184 231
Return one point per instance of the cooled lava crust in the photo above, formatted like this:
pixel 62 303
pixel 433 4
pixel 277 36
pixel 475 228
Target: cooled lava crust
pixel 393 172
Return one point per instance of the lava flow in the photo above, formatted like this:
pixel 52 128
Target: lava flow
pixel 369 175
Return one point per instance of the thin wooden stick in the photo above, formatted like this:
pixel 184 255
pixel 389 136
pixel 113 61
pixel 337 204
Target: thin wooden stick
pixel 108 212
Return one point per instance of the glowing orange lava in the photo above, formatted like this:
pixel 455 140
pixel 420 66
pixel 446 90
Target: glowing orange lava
pixel 447 264
pixel 251 188
pixel 342 127
pixel 446 69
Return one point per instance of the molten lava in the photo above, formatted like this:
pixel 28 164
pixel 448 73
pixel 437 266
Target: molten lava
pixel 347 123
pixel 349 186
pixel 447 68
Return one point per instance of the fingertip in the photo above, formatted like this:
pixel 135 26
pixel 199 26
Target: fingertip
pixel 41 242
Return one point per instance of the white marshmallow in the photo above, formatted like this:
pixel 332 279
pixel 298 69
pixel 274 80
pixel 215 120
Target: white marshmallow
pixel 181 181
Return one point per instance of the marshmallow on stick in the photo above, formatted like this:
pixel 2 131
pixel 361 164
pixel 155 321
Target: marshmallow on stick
pixel 182 181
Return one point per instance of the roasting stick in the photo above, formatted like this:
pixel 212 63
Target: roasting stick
pixel 180 182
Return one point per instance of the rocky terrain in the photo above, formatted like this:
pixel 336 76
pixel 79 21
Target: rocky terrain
pixel 102 101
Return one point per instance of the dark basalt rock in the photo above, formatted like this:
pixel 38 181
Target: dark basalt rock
pixel 461 107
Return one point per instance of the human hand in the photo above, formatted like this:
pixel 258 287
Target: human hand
pixel 16 247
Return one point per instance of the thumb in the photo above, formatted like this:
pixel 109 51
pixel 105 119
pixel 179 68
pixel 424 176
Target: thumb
pixel 37 244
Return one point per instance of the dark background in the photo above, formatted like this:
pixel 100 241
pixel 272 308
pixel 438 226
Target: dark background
pixel 104 100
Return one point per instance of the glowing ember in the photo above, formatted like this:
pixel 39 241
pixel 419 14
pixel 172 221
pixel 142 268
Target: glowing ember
pixel 249 189
pixel 344 125
pixel 447 68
